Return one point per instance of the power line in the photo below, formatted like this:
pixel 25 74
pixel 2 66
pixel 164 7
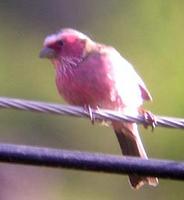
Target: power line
pixel 53 108
pixel 48 157
pixel 19 154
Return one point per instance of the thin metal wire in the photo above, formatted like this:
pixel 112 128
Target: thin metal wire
pixel 101 115
pixel 48 157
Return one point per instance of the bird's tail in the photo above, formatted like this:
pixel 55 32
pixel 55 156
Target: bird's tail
pixel 131 145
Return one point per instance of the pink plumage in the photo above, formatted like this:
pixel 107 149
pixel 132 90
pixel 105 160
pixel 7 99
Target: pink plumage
pixel 95 75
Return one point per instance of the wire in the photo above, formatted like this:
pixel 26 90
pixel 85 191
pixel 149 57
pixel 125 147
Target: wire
pixel 19 154
pixel 101 115
pixel 48 157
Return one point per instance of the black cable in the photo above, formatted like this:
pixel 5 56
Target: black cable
pixel 48 157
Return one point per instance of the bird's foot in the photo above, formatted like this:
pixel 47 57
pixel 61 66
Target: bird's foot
pixel 149 118
pixel 89 111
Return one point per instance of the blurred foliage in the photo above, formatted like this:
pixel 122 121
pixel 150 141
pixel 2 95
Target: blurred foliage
pixel 148 33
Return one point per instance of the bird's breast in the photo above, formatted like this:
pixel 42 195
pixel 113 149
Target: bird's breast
pixel 89 83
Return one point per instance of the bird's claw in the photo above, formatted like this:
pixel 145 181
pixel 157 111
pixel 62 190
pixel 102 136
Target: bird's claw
pixel 150 120
pixel 91 116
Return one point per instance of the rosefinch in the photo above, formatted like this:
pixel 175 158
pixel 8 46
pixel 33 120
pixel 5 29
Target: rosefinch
pixel 94 75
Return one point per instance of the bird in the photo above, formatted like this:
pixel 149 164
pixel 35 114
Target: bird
pixel 95 75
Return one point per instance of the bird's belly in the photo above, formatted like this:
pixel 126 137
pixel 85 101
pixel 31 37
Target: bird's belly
pixel 88 88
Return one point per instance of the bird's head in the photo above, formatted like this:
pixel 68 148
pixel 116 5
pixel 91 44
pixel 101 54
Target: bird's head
pixel 66 43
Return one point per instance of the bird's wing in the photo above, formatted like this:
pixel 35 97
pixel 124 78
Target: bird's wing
pixel 144 91
pixel 127 71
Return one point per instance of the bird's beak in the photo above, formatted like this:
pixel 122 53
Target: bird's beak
pixel 47 52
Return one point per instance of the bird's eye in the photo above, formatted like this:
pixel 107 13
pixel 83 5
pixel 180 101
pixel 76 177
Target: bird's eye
pixel 60 43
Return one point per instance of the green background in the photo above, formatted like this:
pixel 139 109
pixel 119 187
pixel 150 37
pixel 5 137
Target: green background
pixel 147 33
